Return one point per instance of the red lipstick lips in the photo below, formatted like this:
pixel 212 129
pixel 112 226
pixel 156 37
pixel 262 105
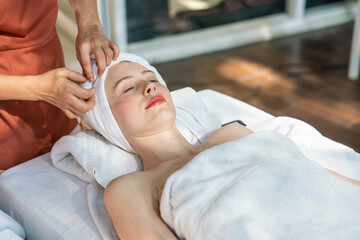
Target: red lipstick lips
pixel 155 100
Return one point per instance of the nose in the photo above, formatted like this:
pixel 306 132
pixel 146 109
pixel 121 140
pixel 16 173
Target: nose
pixel 149 88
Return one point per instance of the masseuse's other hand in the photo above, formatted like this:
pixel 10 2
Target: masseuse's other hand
pixel 92 40
pixel 58 88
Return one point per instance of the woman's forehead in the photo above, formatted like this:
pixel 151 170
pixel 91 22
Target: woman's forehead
pixel 126 66
pixel 124 70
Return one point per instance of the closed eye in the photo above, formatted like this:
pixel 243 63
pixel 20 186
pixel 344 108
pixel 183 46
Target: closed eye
pixel 153 80
pixel 129 89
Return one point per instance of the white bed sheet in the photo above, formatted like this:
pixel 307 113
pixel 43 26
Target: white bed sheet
pixel 51 204
pixel 47 202
pixel 9 228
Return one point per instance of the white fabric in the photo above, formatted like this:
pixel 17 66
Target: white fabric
pixel 89 156
pixel 259 187
pixel 8 234
pixel 47 202
pixel 100 116
pixel 326 152
pixel 177 6
pixel 9 228
pixel 95 197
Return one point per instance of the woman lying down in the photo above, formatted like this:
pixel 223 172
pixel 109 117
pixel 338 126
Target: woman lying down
pixel 235 185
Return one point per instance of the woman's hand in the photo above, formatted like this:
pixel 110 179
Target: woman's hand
pixel 91 40
pixel 58 88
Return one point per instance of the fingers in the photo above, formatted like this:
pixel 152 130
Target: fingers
pixel 109 55
pixel 100 60
pixel 115 48
pixel 85 61
pixel 75 76
pixel 90 101
pixel 104 51
pixel 80 100
pixel 80 107
pixel 69 114
pixel 81 92
pixel 61 90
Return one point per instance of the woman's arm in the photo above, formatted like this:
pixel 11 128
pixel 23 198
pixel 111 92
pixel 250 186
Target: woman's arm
pixel 133 206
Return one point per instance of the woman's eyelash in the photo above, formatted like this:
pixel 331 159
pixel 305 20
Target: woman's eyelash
pixel 128 89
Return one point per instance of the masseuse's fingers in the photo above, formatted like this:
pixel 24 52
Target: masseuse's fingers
pixel 75 76
pixel 91 100
pixel 58 88
pixel 115 48
pixel 90 41
pixel 79 106
pixel 85 61
pixel 81 92
pixel 100 61
pixel 109 54
pixel 70 114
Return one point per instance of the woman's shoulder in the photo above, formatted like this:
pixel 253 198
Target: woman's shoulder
pixel 130 187
pixel 131 182
pixel 227 133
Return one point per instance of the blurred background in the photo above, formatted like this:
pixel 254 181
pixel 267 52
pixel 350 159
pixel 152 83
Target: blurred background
pixel 288 58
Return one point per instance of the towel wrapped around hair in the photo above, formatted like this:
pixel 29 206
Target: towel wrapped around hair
pixel 100 117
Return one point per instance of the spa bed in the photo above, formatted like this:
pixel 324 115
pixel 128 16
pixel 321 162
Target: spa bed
pixel 51 204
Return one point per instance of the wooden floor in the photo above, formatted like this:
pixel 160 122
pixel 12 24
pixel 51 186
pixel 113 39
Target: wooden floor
pixel 302 76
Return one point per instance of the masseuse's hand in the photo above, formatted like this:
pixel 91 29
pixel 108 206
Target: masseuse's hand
pixel 58 88
pixel 91 40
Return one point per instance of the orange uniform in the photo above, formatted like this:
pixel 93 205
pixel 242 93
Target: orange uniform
pixel 29 45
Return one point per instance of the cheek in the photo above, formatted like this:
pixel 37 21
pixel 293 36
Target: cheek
pixel 125 115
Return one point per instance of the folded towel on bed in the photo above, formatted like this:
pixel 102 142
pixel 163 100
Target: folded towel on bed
pixel 89 156
pixel 9 228
pixel 259 187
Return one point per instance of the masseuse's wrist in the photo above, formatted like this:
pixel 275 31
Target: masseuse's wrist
pixel 87 24
pixel 34 88
pixel 86 17
pixel 90 27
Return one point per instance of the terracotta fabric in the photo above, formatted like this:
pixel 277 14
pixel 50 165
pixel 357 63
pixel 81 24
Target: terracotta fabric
pixel 29 45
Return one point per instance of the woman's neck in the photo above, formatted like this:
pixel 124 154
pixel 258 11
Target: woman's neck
pixel 162 147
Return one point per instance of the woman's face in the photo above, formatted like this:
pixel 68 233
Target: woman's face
pixel 141 105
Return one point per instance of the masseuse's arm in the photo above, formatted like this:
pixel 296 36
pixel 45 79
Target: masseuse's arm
pixel 91 38
pixel 56 87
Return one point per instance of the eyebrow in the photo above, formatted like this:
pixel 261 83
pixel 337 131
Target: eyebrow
pixel 128 77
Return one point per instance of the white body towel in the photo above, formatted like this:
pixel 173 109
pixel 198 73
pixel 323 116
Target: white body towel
pixel 259 187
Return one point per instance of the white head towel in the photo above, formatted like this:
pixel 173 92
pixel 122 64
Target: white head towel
pixel 100 117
